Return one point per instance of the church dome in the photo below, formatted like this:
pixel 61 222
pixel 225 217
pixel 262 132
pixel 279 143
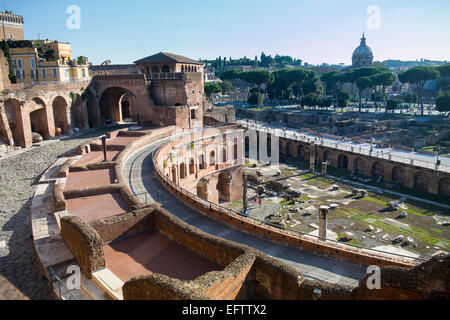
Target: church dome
pixel 362 56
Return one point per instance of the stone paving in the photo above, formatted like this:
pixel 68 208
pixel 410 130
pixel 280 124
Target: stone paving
pixel 19 175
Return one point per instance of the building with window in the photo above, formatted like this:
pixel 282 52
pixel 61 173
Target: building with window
pixel 165 62
pixel 44 61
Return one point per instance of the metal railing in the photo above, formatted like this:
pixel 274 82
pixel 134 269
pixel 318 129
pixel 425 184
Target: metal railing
pixel 147 196
pixel 257 222
pixel 354 149
pixel 59 285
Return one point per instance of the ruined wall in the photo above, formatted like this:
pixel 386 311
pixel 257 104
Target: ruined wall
pixel 5 83
pixel 125 225
pixel 85 244
pixel 168 92
pixel 430 280
pixel 218 115
pixel 215 249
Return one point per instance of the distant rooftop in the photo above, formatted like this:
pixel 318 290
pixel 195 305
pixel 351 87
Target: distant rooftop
pixel 167 57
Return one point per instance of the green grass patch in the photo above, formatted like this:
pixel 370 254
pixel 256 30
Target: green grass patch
pixel 375 200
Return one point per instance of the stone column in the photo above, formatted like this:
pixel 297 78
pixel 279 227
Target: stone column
pixel 323 211
pixel 324 168
pixel 312 158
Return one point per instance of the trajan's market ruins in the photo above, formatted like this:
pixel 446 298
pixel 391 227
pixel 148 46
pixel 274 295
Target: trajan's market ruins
pixel 131 178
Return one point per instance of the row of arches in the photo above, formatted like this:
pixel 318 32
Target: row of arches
pixel 398 175
pixel 57 116
pixel 189 68
pixel 156 69
pixel 186 168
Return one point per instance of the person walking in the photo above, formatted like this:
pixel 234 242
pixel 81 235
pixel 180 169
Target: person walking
pixel 260 201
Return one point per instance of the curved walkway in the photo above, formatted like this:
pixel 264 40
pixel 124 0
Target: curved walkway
pixel 143 182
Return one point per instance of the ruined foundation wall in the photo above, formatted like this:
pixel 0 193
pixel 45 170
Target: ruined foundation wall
pixel 85 244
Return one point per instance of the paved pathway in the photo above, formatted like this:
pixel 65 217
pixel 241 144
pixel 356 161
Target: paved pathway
pixel 142 178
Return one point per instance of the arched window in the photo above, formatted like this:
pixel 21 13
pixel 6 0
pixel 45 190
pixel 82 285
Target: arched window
pixel 182 68
pixel 165 68
pixel 155 69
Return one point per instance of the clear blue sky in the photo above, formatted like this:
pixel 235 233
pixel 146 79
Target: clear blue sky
pixel 315 31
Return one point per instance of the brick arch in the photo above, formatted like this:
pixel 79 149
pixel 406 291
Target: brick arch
pixel 111 88
pixel 77 113
pixel 377 170
pixel 61 114
pixel 328 156
pixel 93 109
pixel 202 190
pixel 224 186
pixel 40 118
pixel 13 122
pixel 343 161
pixel 399 175
pixel 111 103
pixel 421 181
pixel 444 186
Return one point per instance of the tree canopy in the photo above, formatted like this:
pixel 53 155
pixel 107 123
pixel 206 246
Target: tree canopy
pixel 419 76
pixel 443 102
pixel 212 87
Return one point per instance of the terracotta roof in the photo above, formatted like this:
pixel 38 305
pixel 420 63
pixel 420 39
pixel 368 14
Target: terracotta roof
pixel 167 57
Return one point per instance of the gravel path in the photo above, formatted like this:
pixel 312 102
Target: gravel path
pixel 18 177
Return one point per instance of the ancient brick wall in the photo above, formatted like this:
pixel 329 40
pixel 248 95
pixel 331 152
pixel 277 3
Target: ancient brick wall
pixel 430 280
pixel 214 248
pixel 236 282
pixel 160 287
pixel 85 243
pixel 124 225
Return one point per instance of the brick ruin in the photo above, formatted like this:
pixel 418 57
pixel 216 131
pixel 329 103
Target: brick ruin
pixel 224 269
pixel 51 110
